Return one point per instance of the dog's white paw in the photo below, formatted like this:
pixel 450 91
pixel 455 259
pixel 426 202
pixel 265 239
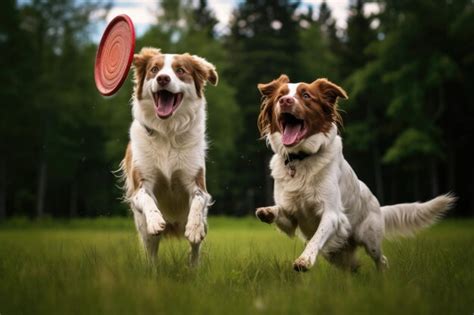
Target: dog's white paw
pixel 302 264
pixel 195 232
pixel 155 223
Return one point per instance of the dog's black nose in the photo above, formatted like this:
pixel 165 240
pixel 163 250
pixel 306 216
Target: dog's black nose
pixel 163 79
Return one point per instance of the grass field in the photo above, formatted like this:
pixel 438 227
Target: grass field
pixel 96 267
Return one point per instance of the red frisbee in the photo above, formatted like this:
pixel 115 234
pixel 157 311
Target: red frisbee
pixel 115 55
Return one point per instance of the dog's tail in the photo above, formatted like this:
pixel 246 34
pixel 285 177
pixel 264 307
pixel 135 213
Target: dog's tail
pixel 407 218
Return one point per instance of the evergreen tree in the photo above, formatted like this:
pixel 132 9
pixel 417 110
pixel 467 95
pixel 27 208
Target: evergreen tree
pixel 316 54
pixel 363 130
pixel 423 71
pixel 263 44
pixel 204 19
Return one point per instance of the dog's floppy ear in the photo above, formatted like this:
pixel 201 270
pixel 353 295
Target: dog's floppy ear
pixel 210 72
pixel 140 62
pixel 267 89
pixel 328 91
pixel 264 121
pixel 203 71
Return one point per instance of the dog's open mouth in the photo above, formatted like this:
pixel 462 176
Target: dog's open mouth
pixel 292 128
pixel 166 103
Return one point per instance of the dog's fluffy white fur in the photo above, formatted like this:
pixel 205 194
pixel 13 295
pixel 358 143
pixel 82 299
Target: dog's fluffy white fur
pixel 321 197
pixel 164 166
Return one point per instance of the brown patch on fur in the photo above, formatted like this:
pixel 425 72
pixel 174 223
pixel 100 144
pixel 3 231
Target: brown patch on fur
pixel 196 69
pixel 166 190
pixel 270 94
pixel 319 112
pixel 143 62
pixel 201 180
pixel 173 230
pixel 133 177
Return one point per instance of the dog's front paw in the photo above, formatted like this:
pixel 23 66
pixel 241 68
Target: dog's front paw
pixel 265 214
pixel 195 232
pixel 302 264
pixel 155 223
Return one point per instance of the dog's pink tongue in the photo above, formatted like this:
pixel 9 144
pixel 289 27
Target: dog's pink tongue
pixel 164 106
pixel 290 134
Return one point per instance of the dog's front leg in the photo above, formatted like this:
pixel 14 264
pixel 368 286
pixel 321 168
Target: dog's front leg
pixel 327 227
pixel 196 227
pixel 267 214
pixel 275 214
pixel 143 202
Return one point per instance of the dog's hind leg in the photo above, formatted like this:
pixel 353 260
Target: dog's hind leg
pixel 345 258
pixel 375 252
pixel 194 254
pixel 371 235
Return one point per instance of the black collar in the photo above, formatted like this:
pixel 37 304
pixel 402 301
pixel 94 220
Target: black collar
pixel 149 131
pixel 296 156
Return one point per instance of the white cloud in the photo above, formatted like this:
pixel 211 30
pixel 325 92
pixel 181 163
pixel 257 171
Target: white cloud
pixel 141 12
pixel 371 8
pixel 339 9
pixel 223 11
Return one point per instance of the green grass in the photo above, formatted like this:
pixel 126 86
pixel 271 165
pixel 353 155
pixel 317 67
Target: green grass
pixel 96 267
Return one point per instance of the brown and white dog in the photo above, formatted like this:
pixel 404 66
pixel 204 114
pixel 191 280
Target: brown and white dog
pixel 164 165
pixel 316 191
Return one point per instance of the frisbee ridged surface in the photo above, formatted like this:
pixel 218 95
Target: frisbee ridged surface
pixel 115 55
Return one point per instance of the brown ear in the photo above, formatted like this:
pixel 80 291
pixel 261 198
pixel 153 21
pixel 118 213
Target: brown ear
pixel 213 77
pixel 140 62
pixel 264 120
pixel 267 89
pixel 329 91
pixel 203 71
pixel 209 70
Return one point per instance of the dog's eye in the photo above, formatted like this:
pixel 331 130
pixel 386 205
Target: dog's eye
pixel 154 69
pixel 306 96
pixel 180 71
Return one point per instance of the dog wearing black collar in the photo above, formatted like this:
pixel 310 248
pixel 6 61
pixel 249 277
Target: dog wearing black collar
pixel 316 191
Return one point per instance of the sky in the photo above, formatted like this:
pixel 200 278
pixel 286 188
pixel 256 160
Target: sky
pixel 142 12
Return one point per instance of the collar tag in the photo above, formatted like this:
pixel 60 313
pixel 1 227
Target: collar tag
pixel 291 159
pixel 291 170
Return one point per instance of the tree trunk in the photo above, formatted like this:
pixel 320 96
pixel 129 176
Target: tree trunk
pixel 416 184
pixel 378 175
pixel 42 181
pixel 434 178
pixel 451 169
pixel 73 200
pixel 3 188
pixel 393 187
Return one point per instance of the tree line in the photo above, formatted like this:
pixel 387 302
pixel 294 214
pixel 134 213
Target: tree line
pixel 407 124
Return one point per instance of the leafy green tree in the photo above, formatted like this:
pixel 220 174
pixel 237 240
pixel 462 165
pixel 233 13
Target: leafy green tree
pixel 15 80
pixel 263 44
pixel 423 68
pixel 318 38
pixel 363 132
pixel 52 103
